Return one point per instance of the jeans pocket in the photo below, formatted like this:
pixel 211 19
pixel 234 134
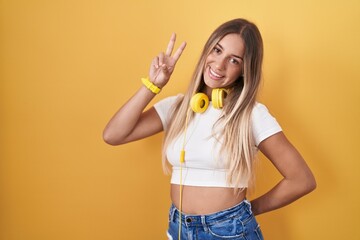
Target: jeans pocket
pixel 231 228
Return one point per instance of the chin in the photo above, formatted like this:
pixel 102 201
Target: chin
pixel 211 84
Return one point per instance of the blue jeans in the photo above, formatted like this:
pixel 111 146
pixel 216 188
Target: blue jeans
pixel 237 222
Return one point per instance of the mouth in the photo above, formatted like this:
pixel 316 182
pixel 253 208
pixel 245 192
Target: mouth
pixel 214 75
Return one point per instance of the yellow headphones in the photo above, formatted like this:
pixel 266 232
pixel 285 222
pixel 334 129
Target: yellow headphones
pixel 200 101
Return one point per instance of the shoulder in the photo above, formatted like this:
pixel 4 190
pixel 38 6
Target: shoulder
pixel 260 112
pixel 165 106
pixel 259 109
pixel 168 101
pixel 264 124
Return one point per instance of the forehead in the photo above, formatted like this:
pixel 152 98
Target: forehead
pixel 233 44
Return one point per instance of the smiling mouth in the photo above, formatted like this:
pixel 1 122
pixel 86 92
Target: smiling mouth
pixel 214 75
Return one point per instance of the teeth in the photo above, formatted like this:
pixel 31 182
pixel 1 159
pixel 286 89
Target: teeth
pixel 215 74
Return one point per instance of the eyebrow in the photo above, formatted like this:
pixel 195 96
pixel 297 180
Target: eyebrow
pixel 218 44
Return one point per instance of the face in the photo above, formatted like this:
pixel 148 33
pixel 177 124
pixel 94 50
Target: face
pixel 223 66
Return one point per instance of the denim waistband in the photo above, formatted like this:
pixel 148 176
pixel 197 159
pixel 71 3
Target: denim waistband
pixel 243 208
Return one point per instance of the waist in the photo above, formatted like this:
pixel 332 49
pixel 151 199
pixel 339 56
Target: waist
pixel 202 177
pixel 205 200
pixel 241 209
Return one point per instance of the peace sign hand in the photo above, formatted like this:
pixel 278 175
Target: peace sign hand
pixel 162 66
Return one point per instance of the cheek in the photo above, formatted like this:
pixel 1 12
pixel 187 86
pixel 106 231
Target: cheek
pixel 236 73
pixel 210 58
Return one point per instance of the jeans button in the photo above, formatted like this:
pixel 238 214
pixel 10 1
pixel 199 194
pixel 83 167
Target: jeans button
pixel 188 220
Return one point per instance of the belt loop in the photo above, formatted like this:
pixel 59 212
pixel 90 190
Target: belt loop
pixel 204 224
pixel 249 206
pixel 173 209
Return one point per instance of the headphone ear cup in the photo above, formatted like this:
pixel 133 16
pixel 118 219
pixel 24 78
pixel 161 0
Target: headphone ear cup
pixel 217 96
pixel 199 102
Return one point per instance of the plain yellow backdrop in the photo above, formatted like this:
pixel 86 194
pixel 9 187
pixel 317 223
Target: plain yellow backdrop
pixel 67 66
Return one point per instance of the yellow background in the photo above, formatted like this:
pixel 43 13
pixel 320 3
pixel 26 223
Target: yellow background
pixel 67 66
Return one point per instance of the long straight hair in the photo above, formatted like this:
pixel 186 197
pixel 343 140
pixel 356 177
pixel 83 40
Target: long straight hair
pixel 234 127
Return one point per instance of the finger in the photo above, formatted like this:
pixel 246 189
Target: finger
pixel 161 59
pixel 179 51
pixel 155 62
pixel 171 44
pixel 165 69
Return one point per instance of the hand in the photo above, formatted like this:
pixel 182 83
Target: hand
pixel 162 66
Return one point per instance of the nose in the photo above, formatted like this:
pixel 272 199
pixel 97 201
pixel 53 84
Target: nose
pixel 220 63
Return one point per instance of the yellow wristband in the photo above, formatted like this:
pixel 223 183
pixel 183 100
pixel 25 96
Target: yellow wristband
pixel 149 85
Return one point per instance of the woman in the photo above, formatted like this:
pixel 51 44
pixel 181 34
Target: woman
pixel 211 152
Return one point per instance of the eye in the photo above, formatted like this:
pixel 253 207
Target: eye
pixel 234 61
pixel 217 50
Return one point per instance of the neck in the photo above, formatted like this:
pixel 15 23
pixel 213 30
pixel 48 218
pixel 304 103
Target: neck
pixel 207 90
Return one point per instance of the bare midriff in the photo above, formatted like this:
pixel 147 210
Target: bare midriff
pixel 205 200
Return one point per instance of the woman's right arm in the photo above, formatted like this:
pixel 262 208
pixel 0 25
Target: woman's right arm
pixel 130 122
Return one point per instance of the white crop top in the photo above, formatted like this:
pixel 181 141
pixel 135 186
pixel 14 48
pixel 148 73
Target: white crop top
pixel 203 166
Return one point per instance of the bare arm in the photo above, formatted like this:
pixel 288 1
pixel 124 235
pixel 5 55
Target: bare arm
pixel 130 122
pixel 298 179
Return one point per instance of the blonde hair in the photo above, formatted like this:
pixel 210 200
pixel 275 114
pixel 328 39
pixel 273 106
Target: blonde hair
pixel 234 126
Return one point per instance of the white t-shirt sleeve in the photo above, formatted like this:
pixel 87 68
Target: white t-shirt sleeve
pixel 163 108
pixel 263 123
